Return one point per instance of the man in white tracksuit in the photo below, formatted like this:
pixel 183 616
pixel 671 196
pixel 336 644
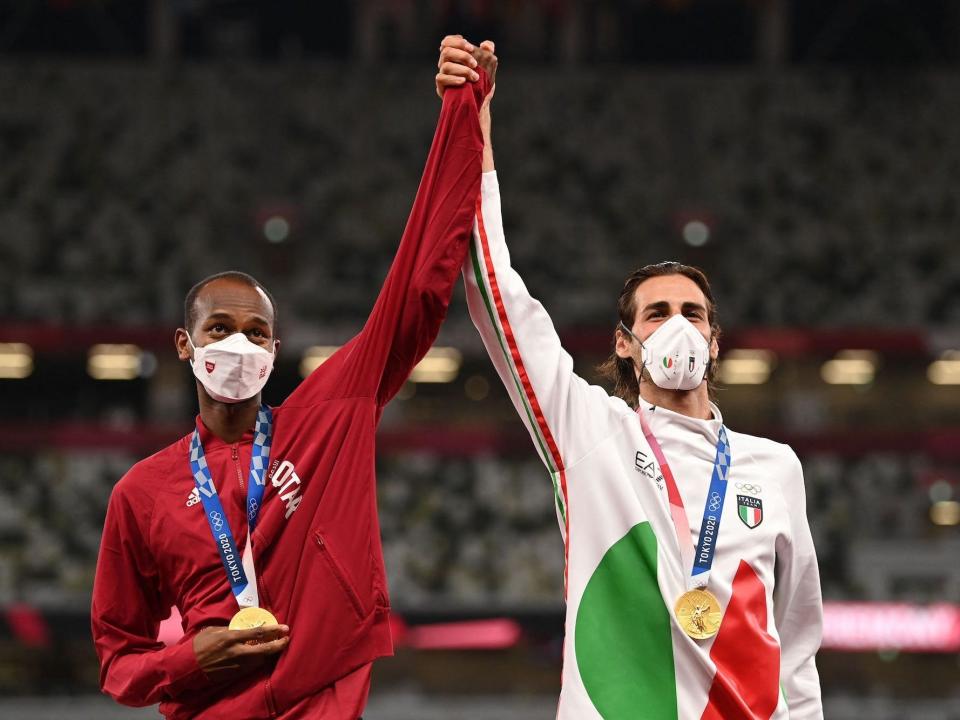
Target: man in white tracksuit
pixel 691 580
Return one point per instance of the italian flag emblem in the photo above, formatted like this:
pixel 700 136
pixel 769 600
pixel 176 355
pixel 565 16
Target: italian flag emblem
pixel 750 510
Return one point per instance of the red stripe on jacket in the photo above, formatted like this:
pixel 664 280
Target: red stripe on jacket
pixel 525 378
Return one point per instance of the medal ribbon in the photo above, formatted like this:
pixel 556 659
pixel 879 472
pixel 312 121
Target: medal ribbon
pixel 242 575
pixel 700 557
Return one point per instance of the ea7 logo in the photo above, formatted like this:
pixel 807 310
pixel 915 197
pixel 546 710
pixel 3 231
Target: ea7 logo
pixel 642 465
pixel 288 485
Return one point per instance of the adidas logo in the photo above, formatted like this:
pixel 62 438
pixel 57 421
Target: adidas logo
pixel 193 498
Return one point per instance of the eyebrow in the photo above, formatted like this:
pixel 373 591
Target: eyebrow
pixel 688 306
pixel 664 307
pixel 227 316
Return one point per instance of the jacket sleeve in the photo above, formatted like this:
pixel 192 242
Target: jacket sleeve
pixel 128 605
pixel 798 606
pixel 565 416
pixel 413 301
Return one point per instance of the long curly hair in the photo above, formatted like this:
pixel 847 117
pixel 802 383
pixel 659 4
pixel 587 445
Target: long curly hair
pixel 621 370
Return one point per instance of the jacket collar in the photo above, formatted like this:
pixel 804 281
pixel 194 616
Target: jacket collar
pixel 708 429
pixel 211 442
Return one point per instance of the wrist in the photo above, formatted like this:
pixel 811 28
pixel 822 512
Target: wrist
pixel 183 669
pixel 487 164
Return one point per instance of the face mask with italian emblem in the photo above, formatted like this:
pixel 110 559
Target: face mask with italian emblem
pixel 676 355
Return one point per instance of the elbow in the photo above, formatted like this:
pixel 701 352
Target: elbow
pixel 429 298
pixel 132 701
pixel 125 696
pixel 124 693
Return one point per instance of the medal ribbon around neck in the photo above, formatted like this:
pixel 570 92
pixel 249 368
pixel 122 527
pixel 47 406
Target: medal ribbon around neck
pixel 242 575
pixel 698 558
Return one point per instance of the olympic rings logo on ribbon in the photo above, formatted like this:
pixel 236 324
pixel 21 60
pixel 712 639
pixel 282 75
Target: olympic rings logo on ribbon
pixel 715 501
pixel 253 508
pixel 747 487
pixel 216 519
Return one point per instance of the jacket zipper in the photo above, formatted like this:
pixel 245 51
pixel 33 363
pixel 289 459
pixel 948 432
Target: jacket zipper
pixel 235 455
pixel 271 704
pixel 340 576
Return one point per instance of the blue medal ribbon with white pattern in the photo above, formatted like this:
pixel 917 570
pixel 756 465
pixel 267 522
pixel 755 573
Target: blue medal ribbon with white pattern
pixel 712 512
pixel 213 508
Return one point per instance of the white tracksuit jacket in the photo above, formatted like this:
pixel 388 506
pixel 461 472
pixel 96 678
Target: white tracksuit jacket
pixel 625 657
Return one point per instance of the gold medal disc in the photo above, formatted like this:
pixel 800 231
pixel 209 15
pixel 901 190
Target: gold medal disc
pixel 699 614
pixel 252 617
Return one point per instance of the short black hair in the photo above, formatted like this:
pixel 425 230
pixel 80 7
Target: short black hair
pixel 190 302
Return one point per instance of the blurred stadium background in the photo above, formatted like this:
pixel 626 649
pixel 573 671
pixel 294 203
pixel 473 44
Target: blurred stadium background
pixel 805 153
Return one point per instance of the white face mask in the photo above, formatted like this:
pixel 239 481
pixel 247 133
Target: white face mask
pixel 233 369
pixel 675 354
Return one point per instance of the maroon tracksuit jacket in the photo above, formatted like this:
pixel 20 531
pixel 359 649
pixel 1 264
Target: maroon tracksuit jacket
pixel 317 542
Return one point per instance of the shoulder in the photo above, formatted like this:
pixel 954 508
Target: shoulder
pixel 141 484
pixel 603 410
pixel 761 447
pixel 615 403
pixel 779 461
pixel 333 379
pixel 780 457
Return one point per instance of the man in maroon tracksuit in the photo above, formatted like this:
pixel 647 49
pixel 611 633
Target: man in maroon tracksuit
pixel 316 562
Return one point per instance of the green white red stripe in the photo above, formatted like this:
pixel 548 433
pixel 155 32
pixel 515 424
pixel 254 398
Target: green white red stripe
pixel 511 352
pixel 750 515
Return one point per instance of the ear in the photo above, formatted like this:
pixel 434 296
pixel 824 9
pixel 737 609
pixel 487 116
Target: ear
pixel 622 346
pixel 714 349
pixel 180 342
pixel 276 349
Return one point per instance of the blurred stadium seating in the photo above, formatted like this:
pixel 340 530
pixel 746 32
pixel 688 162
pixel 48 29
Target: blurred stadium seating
pixel 143 180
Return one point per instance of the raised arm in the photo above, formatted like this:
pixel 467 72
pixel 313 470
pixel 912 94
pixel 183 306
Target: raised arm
pixel 798 607
pixel 565 416
pixel 413 301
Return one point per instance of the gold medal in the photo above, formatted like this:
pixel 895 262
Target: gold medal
pixel 699 614
pixel 252 617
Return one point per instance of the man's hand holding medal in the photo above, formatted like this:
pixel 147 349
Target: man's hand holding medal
pixel 221 649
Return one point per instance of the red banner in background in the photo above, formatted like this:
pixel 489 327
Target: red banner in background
pixel 847 627
pixel 864 627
